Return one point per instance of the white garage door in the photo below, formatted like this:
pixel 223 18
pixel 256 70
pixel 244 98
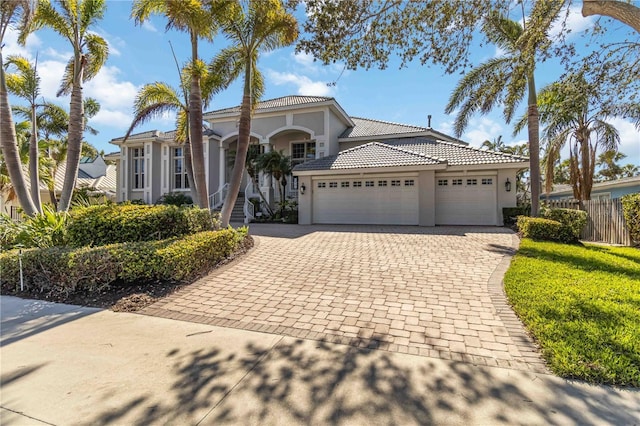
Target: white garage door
pixel 466 200
pixel 371 200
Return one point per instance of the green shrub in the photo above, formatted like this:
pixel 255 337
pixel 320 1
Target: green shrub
pixel 631 211
pixel 107 224
pixel 177 199
pixel 538 228
pixel 67 269
pixel 510 214
pixel 573 222
pixel 47 229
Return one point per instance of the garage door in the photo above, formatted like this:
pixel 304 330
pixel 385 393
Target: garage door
pixel 374 200
pixel 466 200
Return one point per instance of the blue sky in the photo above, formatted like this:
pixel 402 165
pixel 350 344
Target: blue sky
pixel 141 54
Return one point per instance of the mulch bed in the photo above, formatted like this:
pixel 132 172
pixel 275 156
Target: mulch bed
pixel 125 298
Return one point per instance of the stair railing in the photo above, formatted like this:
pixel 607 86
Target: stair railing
pixel 217 198
pixel 249 209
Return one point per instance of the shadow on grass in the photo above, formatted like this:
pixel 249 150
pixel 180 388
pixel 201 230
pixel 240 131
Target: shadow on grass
pixel 311 382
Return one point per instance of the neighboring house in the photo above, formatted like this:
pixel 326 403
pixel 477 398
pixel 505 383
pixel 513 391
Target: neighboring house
pixel 347 169
pixel 600 191
pixel 92 173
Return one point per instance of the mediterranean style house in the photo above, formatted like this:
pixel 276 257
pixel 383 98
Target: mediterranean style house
pixel 348 170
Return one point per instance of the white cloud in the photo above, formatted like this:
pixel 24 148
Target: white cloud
pixel 111 92
pixel 478 130
pixel 629 140
pixel 573 21
pixel 51 72
pixel 149 27
pixel 305 86
pixel 111 118
pixel 12 47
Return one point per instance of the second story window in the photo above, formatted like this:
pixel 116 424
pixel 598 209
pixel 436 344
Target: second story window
pixel 180 180
pixel 138 168
pixel 302 151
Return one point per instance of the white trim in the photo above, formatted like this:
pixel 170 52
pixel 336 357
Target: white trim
pixel 311 133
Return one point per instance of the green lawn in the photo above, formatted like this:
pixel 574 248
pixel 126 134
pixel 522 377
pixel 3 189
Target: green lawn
pixel 582 304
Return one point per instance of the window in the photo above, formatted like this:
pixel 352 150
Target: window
pixel 443 182
pixel 333 184
pixel 357 184
pixel 409 182
pixel 488 181
pixel 301 152
pixel 472 181
pixel 382 183
pixel 180 180
pixel 395 183
pixel 322 184
pixel 456 182
pixel 344 184
pixel 138 168
pixel 368 183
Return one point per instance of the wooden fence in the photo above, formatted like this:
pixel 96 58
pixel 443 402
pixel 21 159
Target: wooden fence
pixel 605 222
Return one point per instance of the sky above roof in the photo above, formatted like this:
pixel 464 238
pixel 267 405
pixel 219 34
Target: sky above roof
pixel 142 54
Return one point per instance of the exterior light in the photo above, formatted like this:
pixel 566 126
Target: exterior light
pixel 507 185
pixel 302 188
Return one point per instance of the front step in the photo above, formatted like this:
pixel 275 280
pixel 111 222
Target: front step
pixel 237 214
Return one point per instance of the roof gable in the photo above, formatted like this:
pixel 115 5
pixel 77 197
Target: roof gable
pixel 283 102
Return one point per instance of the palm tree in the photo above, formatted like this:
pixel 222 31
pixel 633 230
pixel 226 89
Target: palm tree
pixel 505 80
pixel 156 99
pixel 7 188
pixel 18 12
pixel 199 19
pixel 609 167
pixel 74 21
pixel 254 27
pixel 25 83
pixel 568 112
pixel 496 145
pixel 278 166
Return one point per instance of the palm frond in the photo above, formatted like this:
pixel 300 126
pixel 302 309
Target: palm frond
pixel 96 55
pixel 502 31
pixel 66 85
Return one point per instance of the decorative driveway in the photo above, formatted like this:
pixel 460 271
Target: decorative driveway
pixel 428 291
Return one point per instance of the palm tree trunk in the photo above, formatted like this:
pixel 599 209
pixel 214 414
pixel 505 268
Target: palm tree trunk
pixel 10 149
pixel 34 171
pixel 188 164
pixel 533 127
pixel 244 131
pixel 195 124
pixel 74 142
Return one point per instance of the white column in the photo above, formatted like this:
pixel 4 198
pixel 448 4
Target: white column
pixel 222 166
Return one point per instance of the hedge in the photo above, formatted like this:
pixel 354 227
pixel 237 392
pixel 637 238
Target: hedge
pixel 510 214
pixel 631 212
pixel 538 228
pixel 573 222
pixel 118 223
pixel 66 269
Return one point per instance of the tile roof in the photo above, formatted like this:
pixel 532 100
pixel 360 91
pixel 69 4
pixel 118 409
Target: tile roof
pixel 562 189
pixel 285 101
pixel 408 152
pixel 366 127
pixel 373 154
pixel 454 154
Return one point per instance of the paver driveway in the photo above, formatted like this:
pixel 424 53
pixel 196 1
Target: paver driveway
pixel 429 291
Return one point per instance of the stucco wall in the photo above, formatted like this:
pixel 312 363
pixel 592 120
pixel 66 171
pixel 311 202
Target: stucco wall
pixel 310 120
pixel 305 204
pixel 427 200
pixel 504 198
pixel 336 128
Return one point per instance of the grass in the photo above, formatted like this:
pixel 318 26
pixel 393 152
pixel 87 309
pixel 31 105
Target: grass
pixel 582 304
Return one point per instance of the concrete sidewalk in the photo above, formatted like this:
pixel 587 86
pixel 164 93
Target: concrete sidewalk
pixel 66 365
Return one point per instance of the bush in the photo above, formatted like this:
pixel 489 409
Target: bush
pixel 510 214
pixel 631 212
pixel 66 269
pixel 177 199
pixel 573 222
pixel 108 224
pixel 47 229
pixel 538 228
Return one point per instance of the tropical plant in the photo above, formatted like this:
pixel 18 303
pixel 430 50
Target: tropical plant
pixel 199 19
pixel 569 110
pixel 278 166
pixel 611 170
pixel 25 84
pixel 253 170
pixel 497 144
pixel 505 80
pixel 254 27
pixel 74 21
pixel 7 189
pixel 13 13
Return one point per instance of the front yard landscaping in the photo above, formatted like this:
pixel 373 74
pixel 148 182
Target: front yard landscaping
pixel 582 304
